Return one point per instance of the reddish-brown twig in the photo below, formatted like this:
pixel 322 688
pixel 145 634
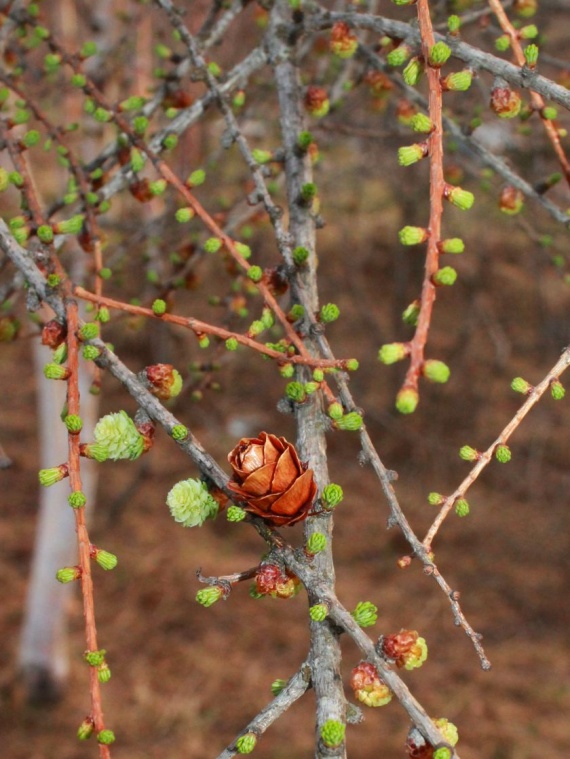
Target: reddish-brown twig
pixel 84 544
pixel 484 458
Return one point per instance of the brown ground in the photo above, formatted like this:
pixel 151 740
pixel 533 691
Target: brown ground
pixel 186 679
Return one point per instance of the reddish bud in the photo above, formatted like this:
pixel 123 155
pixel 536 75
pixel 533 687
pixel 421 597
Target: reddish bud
pixel 140 190
pixel 53 334
pixel 505 102
pixel 317 101
pixel 511 200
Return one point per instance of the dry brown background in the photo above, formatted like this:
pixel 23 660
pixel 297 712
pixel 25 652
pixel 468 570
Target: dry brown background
pixel 187 679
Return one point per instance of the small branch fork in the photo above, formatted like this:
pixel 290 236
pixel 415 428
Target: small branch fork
pixel 83 541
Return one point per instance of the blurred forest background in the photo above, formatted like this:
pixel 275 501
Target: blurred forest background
pixel 186 679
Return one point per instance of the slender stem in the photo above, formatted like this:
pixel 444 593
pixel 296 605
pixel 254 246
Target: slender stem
pixel 487 456
pixel 84 544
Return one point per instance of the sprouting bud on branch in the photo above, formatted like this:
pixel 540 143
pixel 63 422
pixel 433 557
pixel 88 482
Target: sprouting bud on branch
pixel 190 503
pixel 368 687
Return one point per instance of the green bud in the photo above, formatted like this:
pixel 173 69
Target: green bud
pixel 311 387
pixel 407 400
pixel 261 156
pixel 335 411
pixel 350 422
pixel 462 508
pixel 332 731
pixel 331 496
pixel 73 423
pixel 411 313
pixel 390 353
pixel 235 514
pixel 329 313
pixel 157 187
pixel 50 476
pixel 436 371
pixel 365 614
pixel 557 390
pixel 318 612
pixel 89 331
pixel 451 245
pixel 16 178
pixel 459 81
pixel 31 138
pixel 90 352
pixel 318 375
pixel 88 49
pixel 435 499
pixel 317 542
pixel 399 55
pixel 461 198
pixel 106 737
pixel 239 99
pixel 4 179
pixel 255 273
pixel 68 574
pixel 96 451
pixel 196 178
pixel 179 432
pixel 528 32
pixel 413 72
pixel 403 2
pixel 520 385
pixel 352 365
pixel 208 596
pixel 105 559
pixel 422 123
pixel 243 249
pixel 71 226
pixel 454 24
pixel 132 103
pixel 531 55
pixel 56 372
pixel 159 307
pixel 503 454
pixel 308 191
pixel 287 371
pixel 410 154
pixel 300 255
pixel 212 245
pixel 442 753
pixel 277 686
pixel 102 115
pixel 304 140
pixel 445 277
pixel 183 215
pixel 170 142
pixel 549 113
pixel 468 454
pixel 104 673
pixel 256 328
pixel 246 743
pixel 77 499
pixel 45 233
pixel 503 43
pixel 103 316
pixel 231 344
pixel 85 729
pixel 140 124
pixel 439 54
pixel 295 392
pixel 413 235
pixel 78 80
